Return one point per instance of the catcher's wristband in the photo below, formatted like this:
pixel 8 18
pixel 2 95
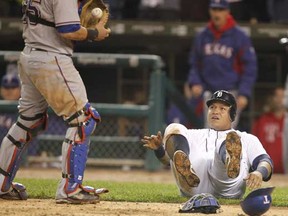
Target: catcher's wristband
pixel 92 34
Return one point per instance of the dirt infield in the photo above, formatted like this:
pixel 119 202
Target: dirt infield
pixel 35 207
pixel 48 207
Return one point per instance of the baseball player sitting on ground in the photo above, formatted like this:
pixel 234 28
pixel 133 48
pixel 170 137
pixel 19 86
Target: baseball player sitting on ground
pixel 49 78
pixel 218 160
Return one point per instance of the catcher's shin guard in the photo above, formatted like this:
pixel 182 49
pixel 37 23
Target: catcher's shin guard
pixel 76 146
pixel 15 143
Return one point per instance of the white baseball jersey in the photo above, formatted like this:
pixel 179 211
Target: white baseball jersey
pixel 205 159
pixel 60 12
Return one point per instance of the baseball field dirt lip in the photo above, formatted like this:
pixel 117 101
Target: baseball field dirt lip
pixel 49 207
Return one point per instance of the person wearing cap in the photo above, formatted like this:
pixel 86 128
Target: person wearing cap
pixel 222 57
pixel 10 87
pixel 9 90
pixel 218 160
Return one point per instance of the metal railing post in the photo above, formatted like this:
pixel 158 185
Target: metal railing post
pixel 156 114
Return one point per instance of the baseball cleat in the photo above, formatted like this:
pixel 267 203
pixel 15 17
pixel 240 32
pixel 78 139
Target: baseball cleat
pixel 83 197
pixel 233 154
pixel 184 168
pixel 17 192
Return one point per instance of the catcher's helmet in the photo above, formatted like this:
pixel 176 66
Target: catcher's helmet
pixel 257 202
pixel 227 98
pixel 204 203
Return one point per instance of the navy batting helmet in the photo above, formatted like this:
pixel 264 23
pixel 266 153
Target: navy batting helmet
pixel 257 202
pixel 227 98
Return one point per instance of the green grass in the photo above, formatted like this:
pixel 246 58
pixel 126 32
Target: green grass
pixel 134 192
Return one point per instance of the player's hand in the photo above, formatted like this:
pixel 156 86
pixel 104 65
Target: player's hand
pixel 152 142
pixel 103 32
pixel 254 180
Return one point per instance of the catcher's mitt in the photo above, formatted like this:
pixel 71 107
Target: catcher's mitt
pixel 200 203
pixel 86 17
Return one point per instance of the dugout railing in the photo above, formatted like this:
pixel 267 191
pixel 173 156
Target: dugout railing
pixel 107 147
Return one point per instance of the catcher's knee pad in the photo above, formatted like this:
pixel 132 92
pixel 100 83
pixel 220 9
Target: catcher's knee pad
pixel 76 146
pixel 15 142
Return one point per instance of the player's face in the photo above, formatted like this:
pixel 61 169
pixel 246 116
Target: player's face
pixel 219 16
pixel 10 93
pixel 218 116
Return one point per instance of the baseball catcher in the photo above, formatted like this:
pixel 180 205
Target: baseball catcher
pixel 49 79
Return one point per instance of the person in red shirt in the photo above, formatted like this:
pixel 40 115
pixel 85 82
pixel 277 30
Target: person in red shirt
pixel 269 128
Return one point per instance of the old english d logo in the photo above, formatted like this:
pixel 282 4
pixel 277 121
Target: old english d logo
pixel 219 94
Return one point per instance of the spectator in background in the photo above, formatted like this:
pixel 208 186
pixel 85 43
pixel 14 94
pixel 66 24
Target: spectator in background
pixel 10 87
pixel 269 128
pixel 9 90
pixel 222 57
pixel 175 115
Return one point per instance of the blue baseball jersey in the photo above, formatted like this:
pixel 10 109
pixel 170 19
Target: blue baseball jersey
pixel 223 59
